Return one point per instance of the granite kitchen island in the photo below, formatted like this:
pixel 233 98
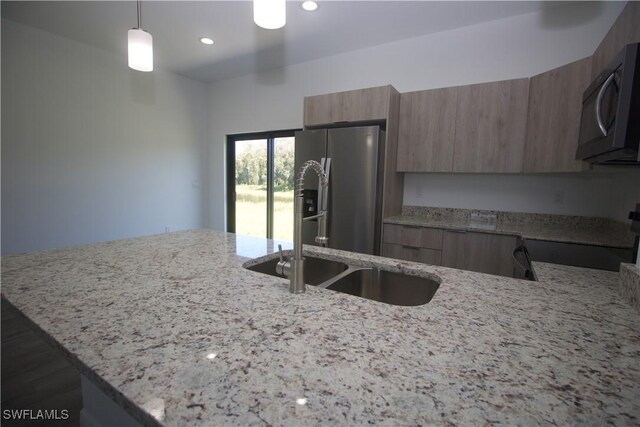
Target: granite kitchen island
pixel 175 322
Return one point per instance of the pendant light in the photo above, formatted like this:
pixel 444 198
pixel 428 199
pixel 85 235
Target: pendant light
pixel 270 14
pixel 140 46
pixel 309 5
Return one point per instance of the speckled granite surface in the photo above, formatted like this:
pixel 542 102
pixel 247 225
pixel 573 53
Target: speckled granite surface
pixel 630 284
pixel 174 318
pixel 556 228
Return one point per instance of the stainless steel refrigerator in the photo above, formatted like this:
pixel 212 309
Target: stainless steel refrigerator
pixel 355 185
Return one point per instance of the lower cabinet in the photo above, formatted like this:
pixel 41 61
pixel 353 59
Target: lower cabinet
pixel 411 243
pixel 481 252
pixel 465 250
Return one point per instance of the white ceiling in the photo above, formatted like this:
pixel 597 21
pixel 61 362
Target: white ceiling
pixel 240 46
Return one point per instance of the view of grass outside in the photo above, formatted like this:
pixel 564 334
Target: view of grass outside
pixel 251 188
pixel 251 212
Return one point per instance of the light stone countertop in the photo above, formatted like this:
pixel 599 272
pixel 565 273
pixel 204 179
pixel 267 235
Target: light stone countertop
pixel 603 235
pixel 139 317
pixel 629 284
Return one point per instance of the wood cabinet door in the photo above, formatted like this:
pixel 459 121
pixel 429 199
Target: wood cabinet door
pixel 555 108
pixel 322 109
pixel 365 104
pixel 490 253
pixel 481 252
pixel 454 249
pixel 491 125
pixel 361 105
pixel 625 30
pixel 427 130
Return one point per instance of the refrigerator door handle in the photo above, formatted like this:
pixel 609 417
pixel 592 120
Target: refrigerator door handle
pixel 327 168
pixel 320 191
pixel 325 162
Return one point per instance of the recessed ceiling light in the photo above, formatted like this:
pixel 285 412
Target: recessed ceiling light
pixel 206 40
pixel 309 5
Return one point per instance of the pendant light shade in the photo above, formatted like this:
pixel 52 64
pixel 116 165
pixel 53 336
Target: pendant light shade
pixel 140 50
pixel 310 5
pixel 270 14
pixel 140 46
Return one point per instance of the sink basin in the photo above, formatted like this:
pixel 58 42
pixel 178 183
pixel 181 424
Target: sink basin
pixel 364 282
pixel 387 287
pixel 316 270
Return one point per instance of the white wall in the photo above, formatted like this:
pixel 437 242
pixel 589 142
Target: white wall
pixel 566 194
pixel 515 47
pixel 92 150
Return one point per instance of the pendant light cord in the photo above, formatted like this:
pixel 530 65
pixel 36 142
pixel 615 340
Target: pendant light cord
pixel 140 14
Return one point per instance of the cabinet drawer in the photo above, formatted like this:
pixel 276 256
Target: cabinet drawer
pixel 418 237
pixel 409 253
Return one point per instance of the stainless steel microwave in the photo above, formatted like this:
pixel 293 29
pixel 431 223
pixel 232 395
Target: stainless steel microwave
pixel 610 124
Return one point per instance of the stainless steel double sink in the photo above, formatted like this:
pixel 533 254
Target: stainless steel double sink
pixel 365 282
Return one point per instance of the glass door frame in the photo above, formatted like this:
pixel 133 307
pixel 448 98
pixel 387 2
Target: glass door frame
pixel 231 173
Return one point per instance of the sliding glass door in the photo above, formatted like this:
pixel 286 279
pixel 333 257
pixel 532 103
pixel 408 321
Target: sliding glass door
pixel 260 179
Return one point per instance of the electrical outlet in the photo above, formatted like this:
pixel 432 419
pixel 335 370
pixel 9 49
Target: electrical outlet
pixel 558 197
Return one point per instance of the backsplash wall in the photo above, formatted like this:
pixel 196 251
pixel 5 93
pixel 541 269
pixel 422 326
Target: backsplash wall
pixel 588 194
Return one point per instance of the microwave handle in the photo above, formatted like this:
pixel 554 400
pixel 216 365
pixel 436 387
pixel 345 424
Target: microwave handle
pixel 603 89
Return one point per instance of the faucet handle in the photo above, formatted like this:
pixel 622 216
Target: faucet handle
pixel 322 241
pixel 283 267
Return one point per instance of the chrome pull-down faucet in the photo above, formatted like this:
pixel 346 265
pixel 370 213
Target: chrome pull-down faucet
pixel 294 268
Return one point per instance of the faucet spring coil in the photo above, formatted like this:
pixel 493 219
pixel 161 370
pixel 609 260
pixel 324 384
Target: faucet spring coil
pixel 303 170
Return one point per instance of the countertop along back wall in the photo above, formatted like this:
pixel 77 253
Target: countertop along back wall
pixel 519 46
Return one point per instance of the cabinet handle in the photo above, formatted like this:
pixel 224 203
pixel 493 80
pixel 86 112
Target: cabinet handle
pixel 457 231
pixel 411 247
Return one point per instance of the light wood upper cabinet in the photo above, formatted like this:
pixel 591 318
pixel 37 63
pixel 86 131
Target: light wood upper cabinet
pixel 491 124
pixel 555 107
pixel 625 30
pixel 322 109
pixel 365 104
pixel 427 129
pixel 476 128
pixel 361 105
